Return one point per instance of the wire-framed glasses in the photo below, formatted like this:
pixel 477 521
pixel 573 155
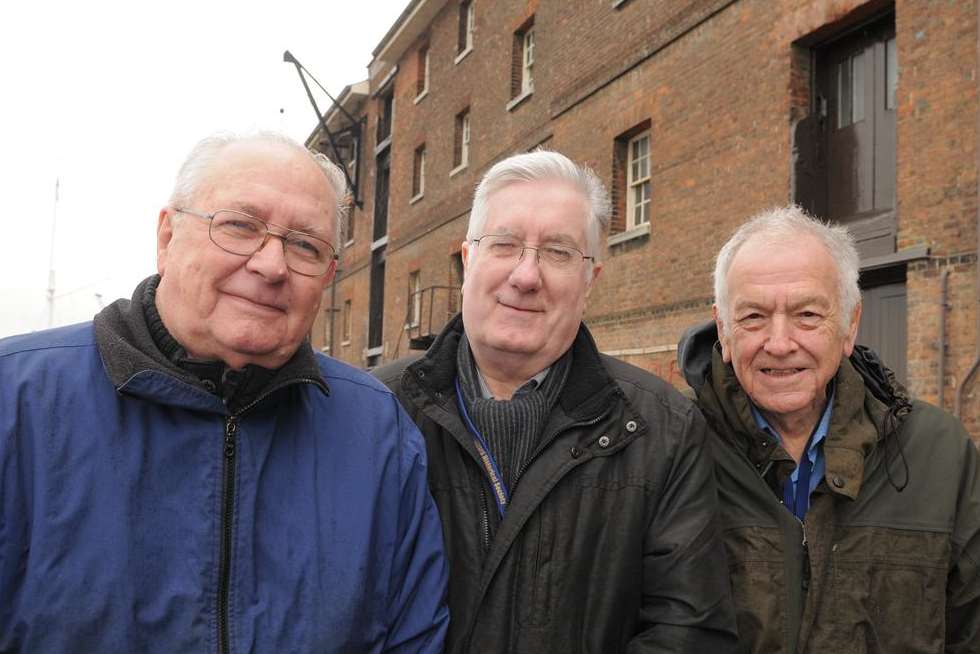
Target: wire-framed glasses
pixel 510 249
pixel 239 233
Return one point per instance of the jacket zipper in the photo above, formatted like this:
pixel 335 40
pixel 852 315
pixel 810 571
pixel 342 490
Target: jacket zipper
pixel 547 441
pixel 227 516
pixel 805 579
pixel 228 511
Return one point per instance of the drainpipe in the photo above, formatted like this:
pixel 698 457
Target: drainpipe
pixel 943 306
pixel 957 410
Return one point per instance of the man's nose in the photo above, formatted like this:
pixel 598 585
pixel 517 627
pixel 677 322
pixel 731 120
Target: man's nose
pixel 780 340
pixel 526 275
pixel 270 259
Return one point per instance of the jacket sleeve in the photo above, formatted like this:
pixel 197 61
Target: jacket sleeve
pixel 418 616
pixel 687 604
pixel 963 584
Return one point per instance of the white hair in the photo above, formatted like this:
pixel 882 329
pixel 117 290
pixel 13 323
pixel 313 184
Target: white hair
pixel 784 225
pixel 193 172
pixel 545 165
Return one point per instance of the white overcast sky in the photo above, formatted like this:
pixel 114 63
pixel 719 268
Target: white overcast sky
pixel 109 96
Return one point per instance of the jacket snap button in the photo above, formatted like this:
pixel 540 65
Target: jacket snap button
pixel 575 452
pixel 631 426
pixel 421 374
pixel 838 482
pixel 603 441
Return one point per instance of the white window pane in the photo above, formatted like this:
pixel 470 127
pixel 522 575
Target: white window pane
pixel 891 73
pixel 857 87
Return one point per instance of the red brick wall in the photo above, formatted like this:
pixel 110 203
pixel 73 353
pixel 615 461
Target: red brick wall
pixel 721 83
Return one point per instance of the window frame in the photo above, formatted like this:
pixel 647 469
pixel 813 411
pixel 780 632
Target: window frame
pixel 413 312
pixel 527 62
pixel 418 173
pixel 632 184
pixel 422 80
pixel 346 322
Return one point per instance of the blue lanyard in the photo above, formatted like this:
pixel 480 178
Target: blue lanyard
pixel 799 502
pixel 500 492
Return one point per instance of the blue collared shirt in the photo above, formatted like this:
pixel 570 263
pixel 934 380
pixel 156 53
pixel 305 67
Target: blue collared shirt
pixel 814 452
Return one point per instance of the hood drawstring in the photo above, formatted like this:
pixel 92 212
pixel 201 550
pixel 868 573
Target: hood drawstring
pixel 883 385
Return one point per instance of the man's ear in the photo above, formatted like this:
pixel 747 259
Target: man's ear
pixel 726 352
pixel 596 269
pixel 852 330
pixel 165 234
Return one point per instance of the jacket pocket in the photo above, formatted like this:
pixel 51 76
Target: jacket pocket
pixel 888 590
pixel 755 564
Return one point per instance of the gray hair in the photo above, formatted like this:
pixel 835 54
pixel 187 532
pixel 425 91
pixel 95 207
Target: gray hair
pixel 543 165
pixel 783 224
pixel 193 172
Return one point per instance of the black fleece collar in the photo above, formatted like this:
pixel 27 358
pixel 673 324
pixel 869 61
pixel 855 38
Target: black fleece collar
pixel 132 339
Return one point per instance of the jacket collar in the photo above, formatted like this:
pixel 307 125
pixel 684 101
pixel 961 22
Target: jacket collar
pixel 587 389
pixel 135 363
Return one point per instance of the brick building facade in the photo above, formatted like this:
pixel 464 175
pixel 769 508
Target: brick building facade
pixel 697 114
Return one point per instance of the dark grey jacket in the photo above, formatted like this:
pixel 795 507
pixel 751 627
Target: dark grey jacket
pixel 609 543
pixel 887 559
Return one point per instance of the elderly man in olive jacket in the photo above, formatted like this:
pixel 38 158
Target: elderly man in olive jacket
pixel 852 512
pixel 577 502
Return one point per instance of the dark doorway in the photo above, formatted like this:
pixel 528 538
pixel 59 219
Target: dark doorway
pixel 845 149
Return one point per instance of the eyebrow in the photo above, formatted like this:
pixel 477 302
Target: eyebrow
pixel 256 212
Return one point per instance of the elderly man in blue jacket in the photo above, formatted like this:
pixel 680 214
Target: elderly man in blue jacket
pixel 184 474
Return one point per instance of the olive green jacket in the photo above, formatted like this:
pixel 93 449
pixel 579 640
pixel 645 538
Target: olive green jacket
pixel 887 559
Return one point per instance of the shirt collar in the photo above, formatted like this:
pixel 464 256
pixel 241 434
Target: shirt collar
pixel 530 385
pixel 818 434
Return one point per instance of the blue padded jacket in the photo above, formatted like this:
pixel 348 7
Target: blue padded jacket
pixel 137 515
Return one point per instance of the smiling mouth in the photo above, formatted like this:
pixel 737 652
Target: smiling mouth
pixel 781 372
pixel 261 305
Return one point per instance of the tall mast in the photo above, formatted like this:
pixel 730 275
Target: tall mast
pixel 54 225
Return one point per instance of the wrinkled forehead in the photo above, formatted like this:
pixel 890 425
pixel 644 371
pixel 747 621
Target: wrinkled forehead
pixel 800 261
pixel 271 181
pixel 552 209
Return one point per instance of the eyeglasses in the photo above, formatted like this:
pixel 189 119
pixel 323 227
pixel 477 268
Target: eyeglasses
pixel 504 248
pixel 244 235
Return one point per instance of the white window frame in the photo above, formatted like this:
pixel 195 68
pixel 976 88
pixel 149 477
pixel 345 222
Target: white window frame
pixel 347 322
pixel 415 297
pixel 632 184
pixel 425 76
pixel 464 150
pixel 419 160
pixel 527 69
pixel 470 25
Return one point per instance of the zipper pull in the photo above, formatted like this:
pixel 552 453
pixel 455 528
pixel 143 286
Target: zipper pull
pixel 230 428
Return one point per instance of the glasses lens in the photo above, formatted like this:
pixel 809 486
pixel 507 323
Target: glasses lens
pixel 557 256
pixel 237 233
pixel 502 247
pixel 308 255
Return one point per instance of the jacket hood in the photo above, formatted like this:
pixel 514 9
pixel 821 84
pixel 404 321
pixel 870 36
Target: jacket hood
pixel 694 353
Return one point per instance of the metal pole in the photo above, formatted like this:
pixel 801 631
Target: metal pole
pixel 54 224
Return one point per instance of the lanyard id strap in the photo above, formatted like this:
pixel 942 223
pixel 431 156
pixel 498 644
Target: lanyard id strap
pixel 500 492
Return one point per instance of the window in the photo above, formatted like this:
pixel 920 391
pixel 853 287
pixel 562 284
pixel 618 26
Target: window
pixel 461 140
pixel 527 78
pixel 522 62
pixel 386 110
pixel 418 172
pixel 638 182
pixel 850 92
pixel 467 22
pixel 422 79
pixel 414 313
pixel 345 329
